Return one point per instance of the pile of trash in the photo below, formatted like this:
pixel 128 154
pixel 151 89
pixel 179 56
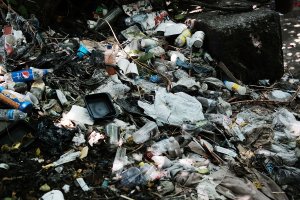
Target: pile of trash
pixel 141 116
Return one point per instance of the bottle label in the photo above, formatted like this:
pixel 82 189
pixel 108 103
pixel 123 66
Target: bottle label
pixel 10 114
pixel 22 76
pixel 13 96
pixel 235 87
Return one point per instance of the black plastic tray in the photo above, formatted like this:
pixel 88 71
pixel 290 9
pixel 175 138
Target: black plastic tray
pixel 18 131
pixel 100 106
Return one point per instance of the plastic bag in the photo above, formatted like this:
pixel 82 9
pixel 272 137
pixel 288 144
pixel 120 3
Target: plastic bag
pixel 174 109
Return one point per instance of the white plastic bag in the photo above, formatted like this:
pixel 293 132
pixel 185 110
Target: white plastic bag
pixel 174 109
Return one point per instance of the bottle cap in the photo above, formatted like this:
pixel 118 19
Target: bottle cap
pixel 25 107
pixel 141 164
pixel 109 46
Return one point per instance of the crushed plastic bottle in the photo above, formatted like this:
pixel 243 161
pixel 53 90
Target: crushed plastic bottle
pixel 11 115
pixel 169 145
pixel 150 172
pixel 132 177
pixel 142 135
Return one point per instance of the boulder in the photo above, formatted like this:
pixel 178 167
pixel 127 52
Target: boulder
pixel 249 43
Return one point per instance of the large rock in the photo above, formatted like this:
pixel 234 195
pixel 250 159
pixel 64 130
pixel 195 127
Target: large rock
pixel 248 43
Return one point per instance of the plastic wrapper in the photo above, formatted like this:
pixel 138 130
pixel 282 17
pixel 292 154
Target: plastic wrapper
pixel 285 121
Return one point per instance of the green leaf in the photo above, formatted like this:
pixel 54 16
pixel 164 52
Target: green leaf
pixel 146 57
pixel 23 11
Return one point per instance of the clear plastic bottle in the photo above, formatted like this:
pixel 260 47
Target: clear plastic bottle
pixel 139 18
pixel 110 17
pixel 15 100
pixel 25 75
pixel 110 60
pixel 150 172
pixel 110 55
pixel 160 147
pixel 11 115
pixel 174 148
pixel 17 87
pixel 132 177
pixel 119 161
pixel 145 133
pixel 113 132
pixel 235 87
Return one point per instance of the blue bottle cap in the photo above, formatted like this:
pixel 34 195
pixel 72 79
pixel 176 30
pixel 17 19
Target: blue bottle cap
pixel 26 107
pixel 154 78
pixel 109 46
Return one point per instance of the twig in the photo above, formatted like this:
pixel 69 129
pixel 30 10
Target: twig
pixel 256 101
pixel 294 95
pixel 228 73
pixel 123 196
pixel 136 149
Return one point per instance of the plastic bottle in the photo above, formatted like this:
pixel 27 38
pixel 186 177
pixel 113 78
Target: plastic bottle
pixel 160 147
pixel 11 115
pixel 111 16
pixel 174 148
pixel 2 51
pixel 38 88
pixel 150 172
pixel 196 39
pixel 235 87
pixel 26 75
pixel 17 87
pixel 15 100
pixel 180 41
pixel 132 177
pixel 110 55
pixel 113 131
pixel 62 98
pixel 145 133
pixel 209 104
pixel 139 18
pixel 110 60
pixel 120 160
